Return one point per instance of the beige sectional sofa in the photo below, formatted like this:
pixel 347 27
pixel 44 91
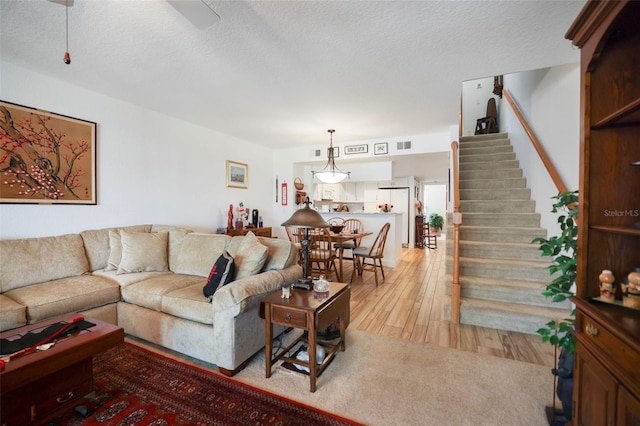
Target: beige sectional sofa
pixel 149 279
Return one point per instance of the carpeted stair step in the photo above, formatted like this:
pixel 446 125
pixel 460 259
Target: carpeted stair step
pixel 531 220
pixel 492 194
pixel 508 291
pixel 494 156
pixel 522 270
pixel 495 184
pixel 478 139
pixel 504 316
pixel 488 165
pixel 502 206
pixel 501 234
pixel 497 250
pixel 495 148
pixel 490 174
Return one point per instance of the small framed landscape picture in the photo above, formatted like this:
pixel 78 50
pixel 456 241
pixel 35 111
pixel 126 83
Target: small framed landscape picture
pixel 381 148
pixel 237 175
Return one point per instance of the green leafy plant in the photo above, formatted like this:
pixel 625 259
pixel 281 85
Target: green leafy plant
pixel 563 250
pixel 436 221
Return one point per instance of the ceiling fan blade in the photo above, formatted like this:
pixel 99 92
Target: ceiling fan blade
pixel 198 12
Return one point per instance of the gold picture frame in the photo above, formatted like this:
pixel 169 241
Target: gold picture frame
pixel 46 158
pixel 237 175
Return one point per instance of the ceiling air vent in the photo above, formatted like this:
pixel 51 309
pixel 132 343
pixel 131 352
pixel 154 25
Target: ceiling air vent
pixel 317 153
pixel 404 145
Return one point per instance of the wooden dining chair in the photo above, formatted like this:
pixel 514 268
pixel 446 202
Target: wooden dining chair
pixel 428 237
pixel 375 254
pixel 350 226
pixel 295 236
pixel 322 256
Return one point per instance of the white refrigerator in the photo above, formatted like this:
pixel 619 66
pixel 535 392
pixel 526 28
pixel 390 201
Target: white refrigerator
pixel 400 199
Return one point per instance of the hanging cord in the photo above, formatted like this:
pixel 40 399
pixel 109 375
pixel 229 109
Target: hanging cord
pixel 555 383
pixel 67 57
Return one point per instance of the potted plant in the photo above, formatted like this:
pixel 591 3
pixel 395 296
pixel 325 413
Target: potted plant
pixel 563 250
pixel 436 222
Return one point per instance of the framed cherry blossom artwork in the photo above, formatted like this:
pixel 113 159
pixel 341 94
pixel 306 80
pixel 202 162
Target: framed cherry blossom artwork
pixel 46 158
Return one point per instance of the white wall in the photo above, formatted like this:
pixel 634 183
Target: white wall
pixel 476 94
pixel 549 99
pixel 151 168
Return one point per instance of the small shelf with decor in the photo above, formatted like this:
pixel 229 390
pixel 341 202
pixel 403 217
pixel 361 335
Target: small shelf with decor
pixel 607 377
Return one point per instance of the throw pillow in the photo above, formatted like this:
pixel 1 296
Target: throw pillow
pixel 250 257
pixel 221 274
pixel 143 252
pixel 115 250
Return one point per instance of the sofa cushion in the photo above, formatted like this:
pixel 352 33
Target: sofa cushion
pixel 148 293
pixel 176 236
pixel 96 244
pixel 189 304
pixel 143 252
pixel 124 280
pixel 115 250
pixel 73 294
pixel 282 253
pixel 221 274
pixel 199 252
pixel 12 314
pixel 250 256
pixel 34 260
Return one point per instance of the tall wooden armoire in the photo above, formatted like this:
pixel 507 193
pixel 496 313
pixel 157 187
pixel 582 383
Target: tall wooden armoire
pixel 607 372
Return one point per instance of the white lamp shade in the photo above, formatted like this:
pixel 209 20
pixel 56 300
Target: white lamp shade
pixel 331 176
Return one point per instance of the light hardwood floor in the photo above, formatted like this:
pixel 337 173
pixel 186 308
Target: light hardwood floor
pixel 410 304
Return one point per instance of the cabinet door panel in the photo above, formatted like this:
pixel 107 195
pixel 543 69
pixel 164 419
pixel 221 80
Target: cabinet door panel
pixel 628 409
pixel 596 392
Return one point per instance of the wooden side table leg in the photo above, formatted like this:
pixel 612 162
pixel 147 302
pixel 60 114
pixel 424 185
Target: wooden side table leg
pixel 312 352
pixel 343 333
pixel 268 333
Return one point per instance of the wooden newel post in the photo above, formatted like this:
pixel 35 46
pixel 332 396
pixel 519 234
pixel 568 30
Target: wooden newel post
pixel 457 220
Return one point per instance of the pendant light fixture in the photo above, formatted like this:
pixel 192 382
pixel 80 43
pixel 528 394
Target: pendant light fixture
pixel 330 173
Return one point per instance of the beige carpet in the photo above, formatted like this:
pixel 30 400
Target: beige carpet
pixel 387 381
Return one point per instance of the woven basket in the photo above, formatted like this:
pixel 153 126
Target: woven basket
pixel 298 184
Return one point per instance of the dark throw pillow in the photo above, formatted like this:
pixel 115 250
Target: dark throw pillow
pixel 221 274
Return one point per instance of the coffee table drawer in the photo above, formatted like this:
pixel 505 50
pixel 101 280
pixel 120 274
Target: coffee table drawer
pixel 48 396
pixel 289 317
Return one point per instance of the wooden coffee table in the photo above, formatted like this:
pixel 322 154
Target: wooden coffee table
pixel 40 385
pixel 304 310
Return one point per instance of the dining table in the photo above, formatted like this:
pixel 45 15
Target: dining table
pixel 338 238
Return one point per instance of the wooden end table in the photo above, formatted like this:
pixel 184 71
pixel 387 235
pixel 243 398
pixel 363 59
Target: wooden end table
pixel 305 310
pixel 40 385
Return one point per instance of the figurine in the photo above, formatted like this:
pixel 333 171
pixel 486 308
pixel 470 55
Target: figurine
pixel 607 287
pixel 230 218
pixel 631 290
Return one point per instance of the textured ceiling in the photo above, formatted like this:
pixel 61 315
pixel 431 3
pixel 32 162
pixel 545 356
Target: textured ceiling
pixel 280 73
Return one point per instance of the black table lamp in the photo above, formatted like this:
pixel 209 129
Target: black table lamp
pixel 306 218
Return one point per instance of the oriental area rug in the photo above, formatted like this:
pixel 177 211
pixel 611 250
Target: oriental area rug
pixel 135 386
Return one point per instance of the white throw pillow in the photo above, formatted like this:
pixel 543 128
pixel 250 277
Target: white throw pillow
pixel 250 256
pixel 143 252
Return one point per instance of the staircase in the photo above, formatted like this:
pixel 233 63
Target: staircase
pixel 501 272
